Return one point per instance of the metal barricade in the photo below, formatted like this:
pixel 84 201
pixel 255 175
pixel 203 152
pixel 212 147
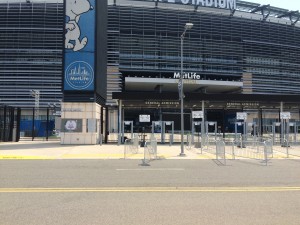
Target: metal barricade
pixel 131 146
pixel 150 151
pixel 220 151
pixel 189 141
pixel 268 151
pixel 208 144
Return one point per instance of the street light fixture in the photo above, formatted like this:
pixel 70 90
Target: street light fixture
pixel 187 26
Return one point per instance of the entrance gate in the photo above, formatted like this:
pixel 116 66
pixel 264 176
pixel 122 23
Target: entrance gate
pixel 127 126
pixel 164 127
pixel 211 127
pixel 196 128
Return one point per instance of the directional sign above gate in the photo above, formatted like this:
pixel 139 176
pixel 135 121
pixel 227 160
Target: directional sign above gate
pixel 285 115
pixel 241 116
pixel 197 114
pixel 144 118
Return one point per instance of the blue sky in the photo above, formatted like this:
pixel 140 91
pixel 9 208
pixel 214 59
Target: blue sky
pixel 285 4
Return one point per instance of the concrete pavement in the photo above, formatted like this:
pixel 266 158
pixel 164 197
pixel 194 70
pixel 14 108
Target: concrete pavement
pixel 54 150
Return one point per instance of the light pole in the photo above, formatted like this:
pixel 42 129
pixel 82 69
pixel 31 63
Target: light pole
pixel 36 95
pixel 187 26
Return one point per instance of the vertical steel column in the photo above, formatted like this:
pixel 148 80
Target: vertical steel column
pixel 120 122
pixel 282 125
pixel 47 125
pixel 181 99
pixel 33 121
pixel 202 124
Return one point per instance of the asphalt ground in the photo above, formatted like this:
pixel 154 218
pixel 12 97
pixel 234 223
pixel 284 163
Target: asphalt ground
pixel 84 191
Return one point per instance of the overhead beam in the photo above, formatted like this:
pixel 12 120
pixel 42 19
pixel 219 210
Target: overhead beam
pixel 264 9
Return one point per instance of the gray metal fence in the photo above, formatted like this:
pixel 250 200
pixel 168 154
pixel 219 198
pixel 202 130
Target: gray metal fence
pixel 131 146
pixel 150 151
pixel 220 151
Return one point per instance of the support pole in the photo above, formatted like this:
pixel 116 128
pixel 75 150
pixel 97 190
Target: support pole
pixel 120 122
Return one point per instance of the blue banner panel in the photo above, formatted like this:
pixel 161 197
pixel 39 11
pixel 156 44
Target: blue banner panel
pixel 80 45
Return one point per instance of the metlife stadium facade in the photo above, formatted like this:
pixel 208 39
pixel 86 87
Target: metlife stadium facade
pixel 238 57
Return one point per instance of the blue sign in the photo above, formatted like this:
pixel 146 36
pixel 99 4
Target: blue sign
pixel 79 75
pixel 80 45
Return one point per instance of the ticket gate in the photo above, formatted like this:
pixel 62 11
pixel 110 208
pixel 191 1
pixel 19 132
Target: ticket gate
pixel 196 128
pixel 163 127
pixel 127 128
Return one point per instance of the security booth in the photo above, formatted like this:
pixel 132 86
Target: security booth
pixel 196 130
pixel 168 128
pixel 127 130
pixel 297 130
pixel 291 132
pixel 276 129
pixel 211 127
pixel 163 127
pixel 251 130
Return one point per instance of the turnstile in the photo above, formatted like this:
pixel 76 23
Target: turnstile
pixel 163 127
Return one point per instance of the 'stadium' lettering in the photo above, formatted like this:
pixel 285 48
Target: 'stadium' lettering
pixel 223 4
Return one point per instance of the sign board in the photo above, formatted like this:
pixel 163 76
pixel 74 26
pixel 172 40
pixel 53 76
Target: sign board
pixel 224 4
pixel 168 123
pixel 292 124
pixel 197 114
pixel 80 28
pixel 277 124
pixel 241 116
pixel 127 122
pixel 285 115
pixel 250 124
pixel 197 123
pixel 239 124
pixel 144 118
pixel 71 125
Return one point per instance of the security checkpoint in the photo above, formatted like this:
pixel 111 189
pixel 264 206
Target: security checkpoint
pixel 196 129
pixel 164 127
pixel 127 129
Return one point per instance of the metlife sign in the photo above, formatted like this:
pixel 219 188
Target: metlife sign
pixel 223 4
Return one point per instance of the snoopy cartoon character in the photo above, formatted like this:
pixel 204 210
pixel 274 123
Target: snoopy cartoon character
pixel 74 9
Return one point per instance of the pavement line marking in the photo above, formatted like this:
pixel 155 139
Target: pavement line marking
pixel 151 189
pixel 153 169
pixel 24 157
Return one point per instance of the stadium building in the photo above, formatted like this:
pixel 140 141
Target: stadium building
pixel 238 57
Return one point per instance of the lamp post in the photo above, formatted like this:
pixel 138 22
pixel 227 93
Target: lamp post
pixel 187 26
pixel 36 95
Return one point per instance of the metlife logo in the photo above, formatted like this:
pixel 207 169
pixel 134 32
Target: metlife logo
pixel 223 4
pixel 190 76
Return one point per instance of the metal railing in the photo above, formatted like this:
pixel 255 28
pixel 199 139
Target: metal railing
pixel 150 151
pixel 131 146
pixel 220 151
